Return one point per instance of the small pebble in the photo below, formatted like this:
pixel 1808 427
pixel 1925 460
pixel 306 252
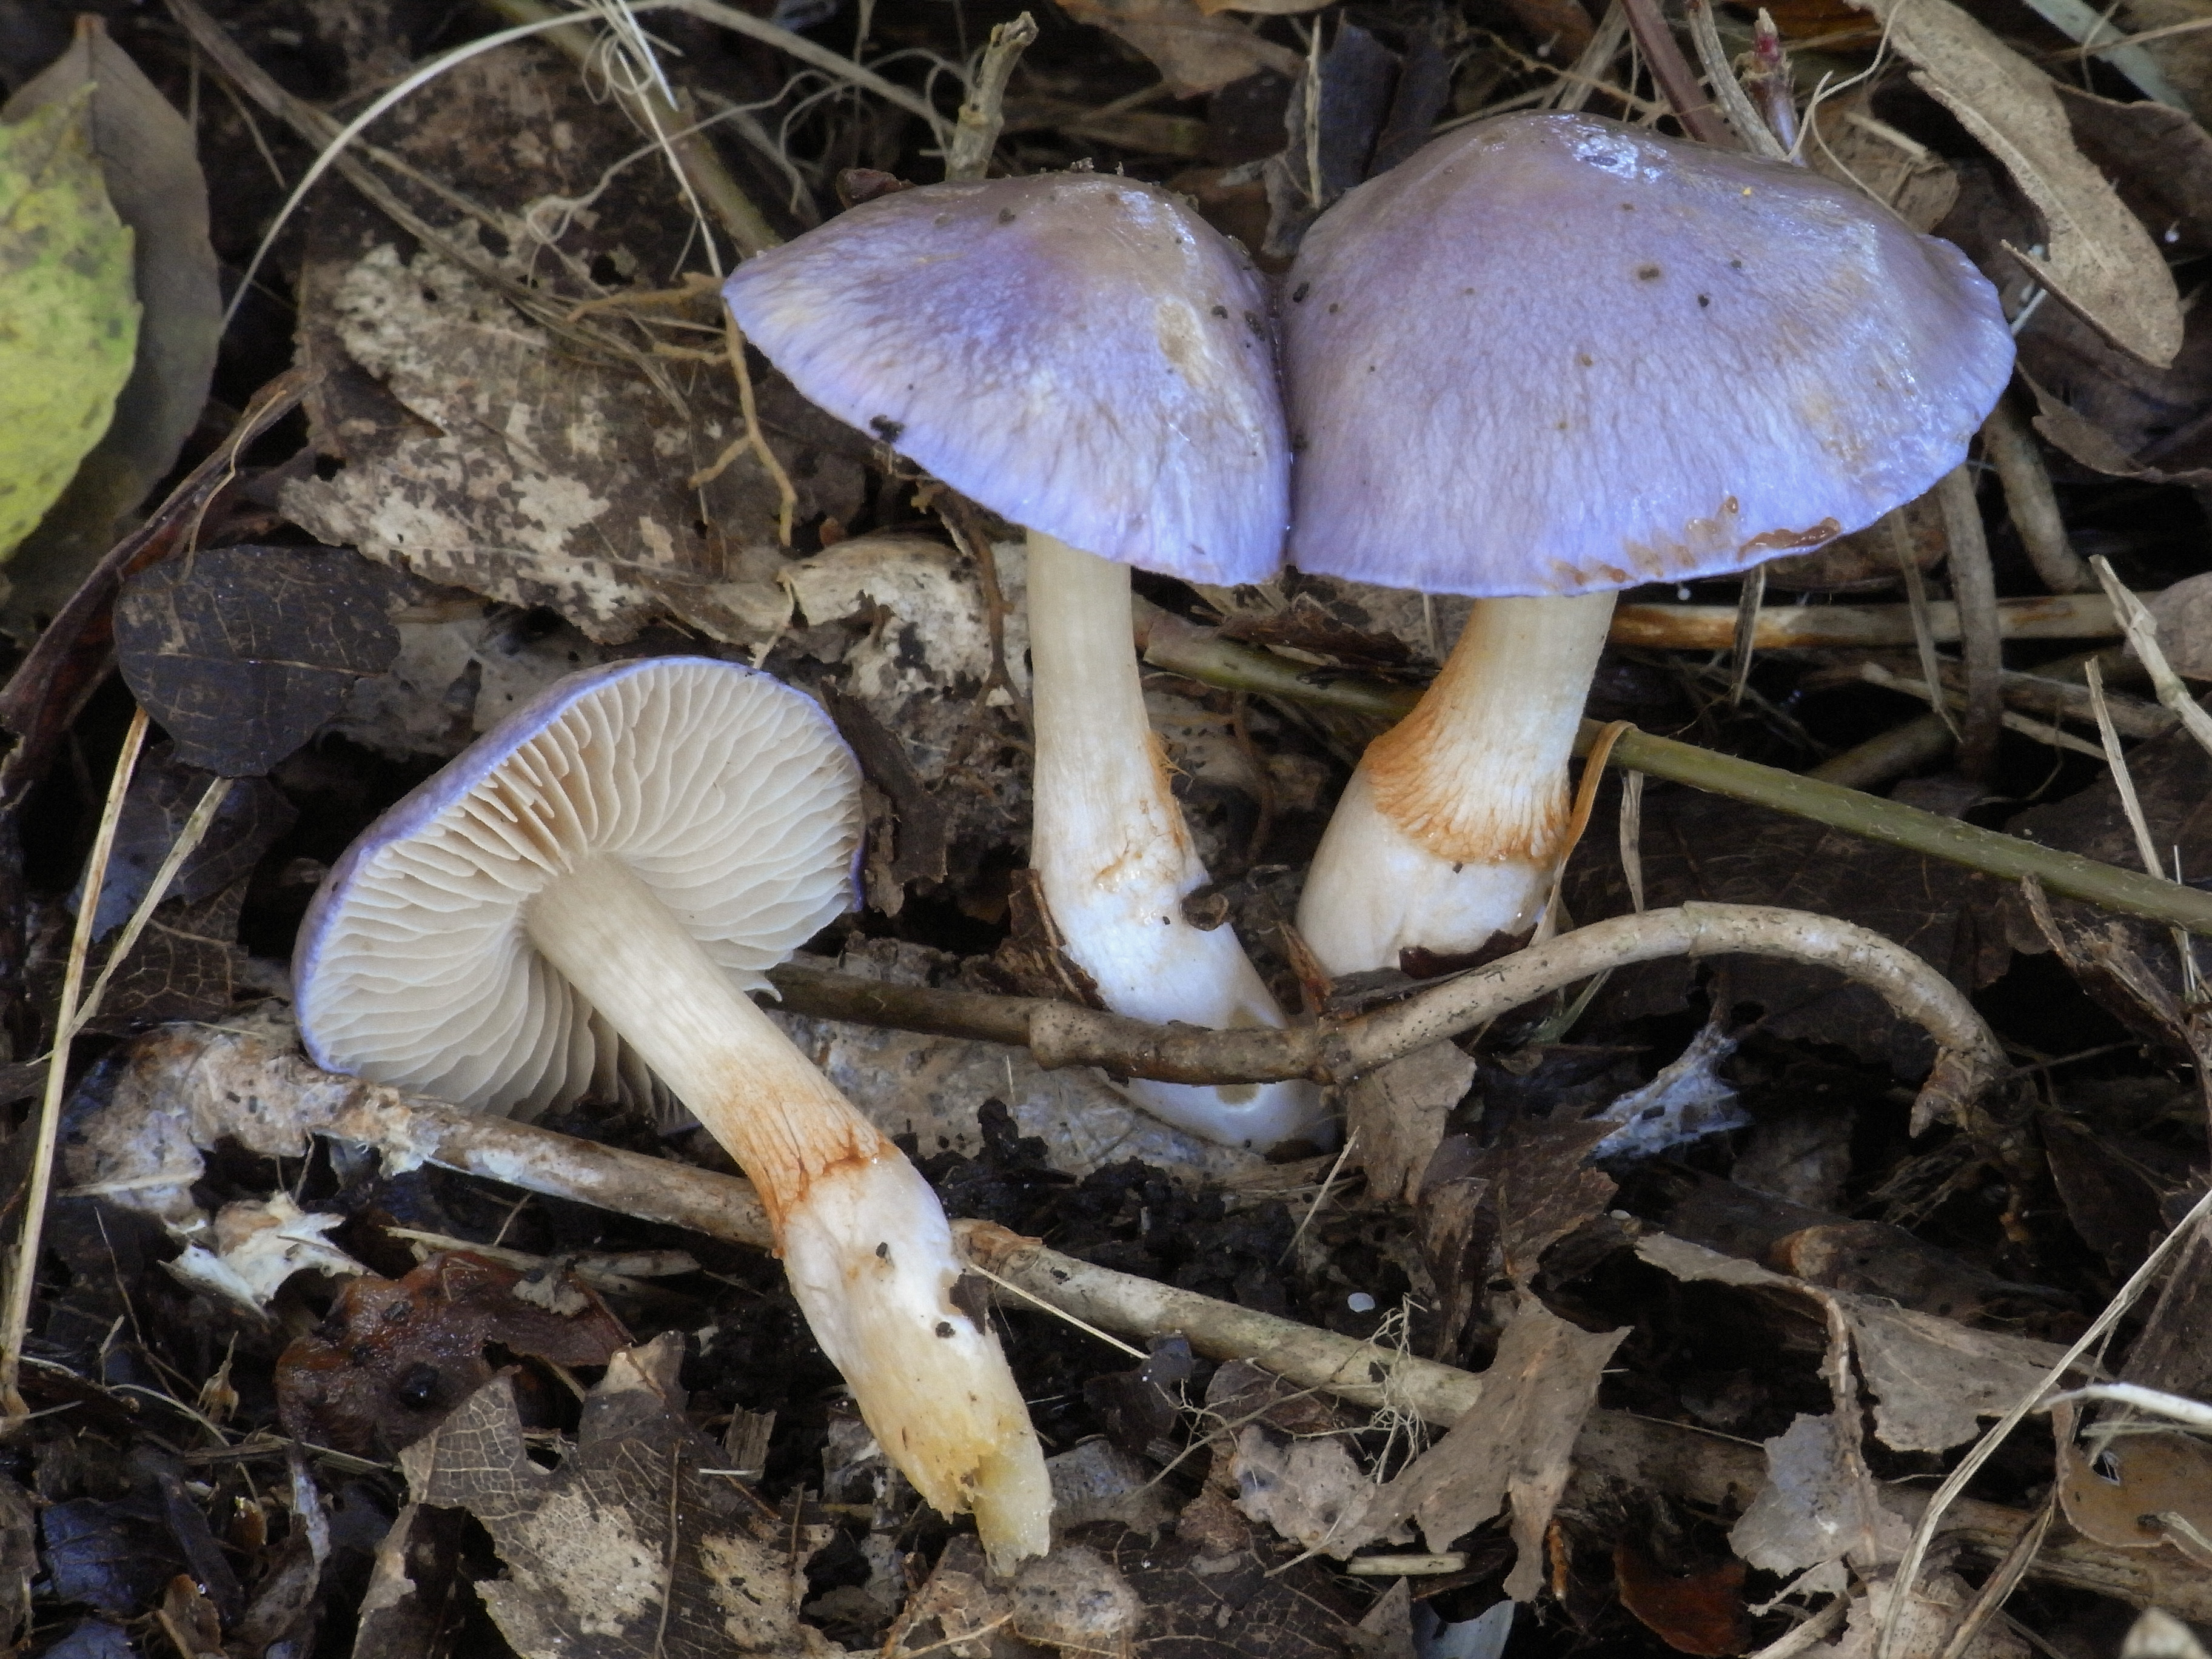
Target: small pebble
pixel 1360 1302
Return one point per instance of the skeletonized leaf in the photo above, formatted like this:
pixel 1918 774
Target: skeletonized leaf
pixel 147 158
pixel 67 319
pixel 2101 261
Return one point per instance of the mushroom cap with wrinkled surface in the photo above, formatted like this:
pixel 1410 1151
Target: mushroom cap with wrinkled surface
pixel 727 793
pixel 1081 354
pixel 1551 354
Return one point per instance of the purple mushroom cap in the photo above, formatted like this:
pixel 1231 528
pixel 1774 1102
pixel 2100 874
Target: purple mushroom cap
pixel 1079 353
pixel 1551 354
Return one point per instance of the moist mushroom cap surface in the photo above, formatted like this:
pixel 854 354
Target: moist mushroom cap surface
pixel 1551 354
pixel 727 793
pixel 1078 353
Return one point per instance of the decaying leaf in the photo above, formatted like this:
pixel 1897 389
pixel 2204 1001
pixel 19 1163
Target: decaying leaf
pixel 1072 1601
pixel 2139 1491
pixel 2101 261
pixel 2185 58
pixel 1932 1377
pixel 1687 1101
pixel 259 1245
pixel 242 653
pixel 2173 779
pixel 1851 146
pixel 396 1356
pixel 1197 52
pixel 149 158
pixel 1698 1612
pixel 164 791
pixel 1490 1212
pixel 2183 611
pixel 1513 1447
pixel 1819 1505
pixel 527 459
pixel 2158 160
pixel 629 1548
pixel 1398 1112
pixel 68 320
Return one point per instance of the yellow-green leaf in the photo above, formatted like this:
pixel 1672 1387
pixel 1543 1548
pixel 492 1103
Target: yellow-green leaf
pixel 68 315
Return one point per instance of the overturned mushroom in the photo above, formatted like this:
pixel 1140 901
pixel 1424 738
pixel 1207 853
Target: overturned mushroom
pixel 1551 356
pixel 602 878
pixel 1086 358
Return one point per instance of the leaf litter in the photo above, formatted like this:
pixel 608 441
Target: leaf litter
pixel 513 399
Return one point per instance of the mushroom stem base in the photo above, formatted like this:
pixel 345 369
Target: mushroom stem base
pixel 1448 831
pixel 863 1239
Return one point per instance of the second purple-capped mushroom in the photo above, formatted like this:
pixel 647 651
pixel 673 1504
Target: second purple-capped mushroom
pixel 1550 356
pixel 1090 360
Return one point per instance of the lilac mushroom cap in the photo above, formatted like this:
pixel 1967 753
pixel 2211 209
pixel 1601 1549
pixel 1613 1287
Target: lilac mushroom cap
pixel 1553 354
pixel 1079 353
pixel 729 795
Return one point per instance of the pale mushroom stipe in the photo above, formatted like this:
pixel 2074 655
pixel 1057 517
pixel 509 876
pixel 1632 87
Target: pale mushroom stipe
pixel 1550 356
pixel 598 883
pixel 1090 361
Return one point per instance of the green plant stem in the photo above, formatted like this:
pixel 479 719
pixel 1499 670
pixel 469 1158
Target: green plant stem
pixel 1183 647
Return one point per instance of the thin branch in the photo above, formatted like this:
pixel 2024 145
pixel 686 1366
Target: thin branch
pixel 1975 587
pixel 2011 448
pixel 1677 82
pixel 1707 1471
pixel 212 1073
pixel 984 114
pixel 1814 627
pixel 1720 75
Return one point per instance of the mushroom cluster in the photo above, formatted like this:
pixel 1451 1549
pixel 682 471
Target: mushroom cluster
pixel 1548 357
pixel 599 882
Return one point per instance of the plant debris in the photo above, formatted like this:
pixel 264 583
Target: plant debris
pixel 1649 1282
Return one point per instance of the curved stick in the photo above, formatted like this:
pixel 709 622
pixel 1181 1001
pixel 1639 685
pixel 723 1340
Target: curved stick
pixel 1337 1051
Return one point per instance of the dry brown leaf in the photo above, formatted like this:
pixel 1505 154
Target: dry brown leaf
pixel 627 1548
pixel 2101 262
pixel 1849 145
pixel 1699 1613
pixel 1266 7
pixel 2158 160
pixel 1196 52
pixel 1398 1112
pixel 2141 1492
pixel 1931 1378
pixel 1513 1447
